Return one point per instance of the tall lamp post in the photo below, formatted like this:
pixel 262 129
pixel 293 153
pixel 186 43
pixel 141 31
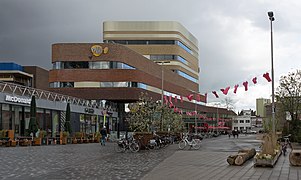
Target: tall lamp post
pixel 271 17
pixel 162 93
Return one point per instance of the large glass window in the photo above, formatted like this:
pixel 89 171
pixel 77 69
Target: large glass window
pixel 133 42
pixel 100 65
pixel 162 57
pixel 161 42
pixel 183 46
pixel 76 65
pixel 57 65
pixel 6 117
pixel 186 76
pixel 183 60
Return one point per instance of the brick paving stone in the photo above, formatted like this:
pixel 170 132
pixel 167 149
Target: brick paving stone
pixel 93 161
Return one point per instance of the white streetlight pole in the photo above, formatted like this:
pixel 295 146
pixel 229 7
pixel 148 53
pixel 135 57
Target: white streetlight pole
pixel 195 121
pixel 271 17
pixel 162 93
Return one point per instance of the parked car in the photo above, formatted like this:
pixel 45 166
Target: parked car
pixel 253 132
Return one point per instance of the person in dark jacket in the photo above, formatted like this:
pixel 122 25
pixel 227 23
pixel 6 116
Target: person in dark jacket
pixel 103 133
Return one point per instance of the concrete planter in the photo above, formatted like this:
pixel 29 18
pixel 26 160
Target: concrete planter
pixel 258 162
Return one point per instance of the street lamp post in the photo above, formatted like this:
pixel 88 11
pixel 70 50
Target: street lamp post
pixel 195 121
pixel 271 17
pixel 162 93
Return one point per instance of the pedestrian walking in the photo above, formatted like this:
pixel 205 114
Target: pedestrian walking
pixel 103 133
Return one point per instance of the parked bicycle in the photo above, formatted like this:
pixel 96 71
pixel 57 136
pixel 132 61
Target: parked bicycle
pixel 285 141
pixel 124 144
pixel 193 143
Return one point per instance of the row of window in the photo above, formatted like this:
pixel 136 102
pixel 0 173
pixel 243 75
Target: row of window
pixel 168 57
pixel 152 42
pixel 96 84
pixel 91 65
pixel 105 65
pixel 241 121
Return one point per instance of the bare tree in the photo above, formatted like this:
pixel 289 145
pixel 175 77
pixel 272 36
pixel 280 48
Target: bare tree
pixel 288 94
pixel 229 103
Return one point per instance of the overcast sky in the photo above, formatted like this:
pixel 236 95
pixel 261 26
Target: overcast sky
pixel 233 35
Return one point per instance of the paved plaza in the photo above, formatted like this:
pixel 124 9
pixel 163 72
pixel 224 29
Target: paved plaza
pixel 93 161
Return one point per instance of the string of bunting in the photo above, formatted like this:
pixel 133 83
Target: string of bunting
pixel 169 99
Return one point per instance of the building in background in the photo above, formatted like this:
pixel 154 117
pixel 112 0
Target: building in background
pixel 40 77
pixel 14 73
pixel 261 106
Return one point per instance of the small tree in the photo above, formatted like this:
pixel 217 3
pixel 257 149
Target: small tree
pixel 33 125
pixel 68 119
pixel 147 113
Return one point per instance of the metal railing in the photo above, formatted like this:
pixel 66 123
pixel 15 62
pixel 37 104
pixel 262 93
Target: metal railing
pixel 20 90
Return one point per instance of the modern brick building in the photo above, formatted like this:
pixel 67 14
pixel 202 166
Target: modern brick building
pixel 149 57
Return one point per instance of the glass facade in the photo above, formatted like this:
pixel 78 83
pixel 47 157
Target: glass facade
pixel 91 65
pixel 17 117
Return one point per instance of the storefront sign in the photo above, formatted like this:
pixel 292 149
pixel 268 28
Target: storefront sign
pixel 16 99
pixel 97 50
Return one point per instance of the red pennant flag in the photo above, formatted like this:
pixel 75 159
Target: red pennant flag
pixel 214 92
pixel 267 77
pixel 166 100
pixel 246 85
pixel 235 88
pixel 170 99
pixel 254 80
pixel 181 97
pixel 225 91
pixel 190 96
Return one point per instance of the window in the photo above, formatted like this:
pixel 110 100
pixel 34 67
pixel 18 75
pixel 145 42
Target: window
pixel 241 121
pixel 183 60
pixel 162 57
pixel 76 65
pixel 235 121
pixel 109 65
pixel 56 65
pixel 133 42
pixel 161 42
pixel 183 46
pixel 247 121
pixel 186 76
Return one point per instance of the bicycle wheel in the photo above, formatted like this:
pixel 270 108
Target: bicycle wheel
pixel 182 144
pixel 134 147
pixel 119 148
pixel 196 144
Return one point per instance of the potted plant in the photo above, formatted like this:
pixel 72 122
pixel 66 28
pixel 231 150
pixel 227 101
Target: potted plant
pixel 97 137
pixel 43 135
pixel 78 136
pixel 64 136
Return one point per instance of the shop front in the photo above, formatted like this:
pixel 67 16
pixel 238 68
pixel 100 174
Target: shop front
pixel 15 115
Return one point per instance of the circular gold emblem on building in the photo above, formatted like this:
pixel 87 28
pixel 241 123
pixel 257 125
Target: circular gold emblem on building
pixel 96 50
